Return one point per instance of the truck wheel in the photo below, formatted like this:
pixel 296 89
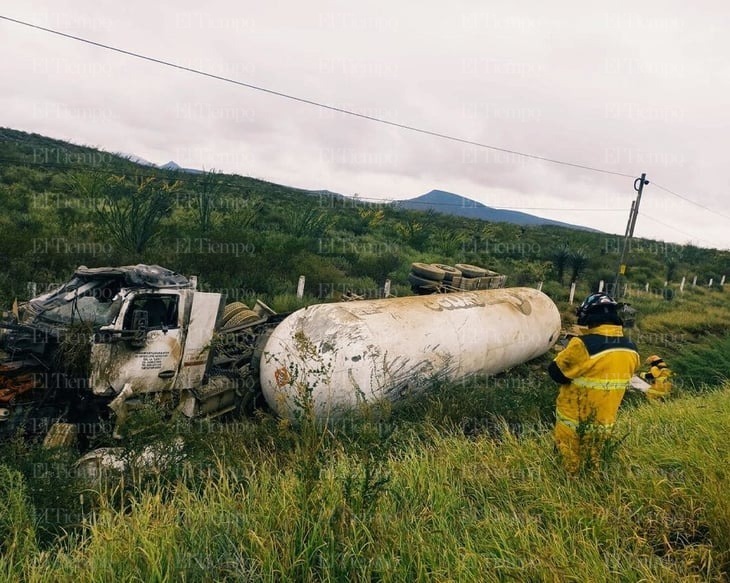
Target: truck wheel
pixel 422 283
pixel 494 279
pixel 471 270
pixel 243 317
pixel 232 309
pixel 450 272
pixel 427 271
pixel 469 283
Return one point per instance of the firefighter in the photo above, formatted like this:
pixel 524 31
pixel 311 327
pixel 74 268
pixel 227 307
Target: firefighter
pixel 658 376
pixel 593 371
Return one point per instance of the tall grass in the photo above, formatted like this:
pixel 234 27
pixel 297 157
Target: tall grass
pixel 432 504
pixel 704 365
pixel 17 522
pixel 702 320
pixel 459 484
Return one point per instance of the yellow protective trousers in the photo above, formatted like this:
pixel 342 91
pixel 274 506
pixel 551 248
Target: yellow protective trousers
pixel 594 371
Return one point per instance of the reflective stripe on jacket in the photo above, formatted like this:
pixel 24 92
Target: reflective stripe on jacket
pixel 594 371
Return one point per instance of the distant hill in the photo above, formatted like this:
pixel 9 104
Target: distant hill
pixel 171 165
pixel 455 204
pixel 175 167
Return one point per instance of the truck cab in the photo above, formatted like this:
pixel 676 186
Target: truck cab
pixel 105 337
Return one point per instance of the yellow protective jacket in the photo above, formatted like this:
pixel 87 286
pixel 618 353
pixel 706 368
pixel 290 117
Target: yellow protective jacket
pixel 659 377
pixel 594 371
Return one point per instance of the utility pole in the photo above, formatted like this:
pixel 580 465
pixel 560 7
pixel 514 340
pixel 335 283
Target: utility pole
pixel 639 184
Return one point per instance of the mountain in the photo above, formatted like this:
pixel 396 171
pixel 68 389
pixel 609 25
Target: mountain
pixel 175 167
pixel 171 165
pixel 455 204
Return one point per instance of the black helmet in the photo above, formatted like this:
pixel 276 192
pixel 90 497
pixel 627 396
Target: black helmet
pixel 598 308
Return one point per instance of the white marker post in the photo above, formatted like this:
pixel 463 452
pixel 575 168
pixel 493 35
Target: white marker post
pixel 722 280
pixel 600 286
pixel 694 281
pixel 539 286
pixel 572 292
pixel 300 288
pixel 646 287
pixel 710 284
pixel 681 285
pixel 386 289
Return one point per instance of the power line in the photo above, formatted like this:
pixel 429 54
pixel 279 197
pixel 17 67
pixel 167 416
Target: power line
pixel 651 218
pixel 691 201
pixel 316 103
pixel 361 115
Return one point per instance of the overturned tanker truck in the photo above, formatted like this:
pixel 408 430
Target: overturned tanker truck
pixel 112 338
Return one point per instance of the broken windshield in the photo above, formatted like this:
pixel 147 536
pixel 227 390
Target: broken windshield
pixel 95 302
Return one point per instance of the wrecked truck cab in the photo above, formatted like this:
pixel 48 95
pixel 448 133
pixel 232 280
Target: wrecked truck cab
pixel 88 295
pixel 91 300
pixel 71 352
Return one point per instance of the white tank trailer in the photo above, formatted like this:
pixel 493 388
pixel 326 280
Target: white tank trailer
pixel 335 358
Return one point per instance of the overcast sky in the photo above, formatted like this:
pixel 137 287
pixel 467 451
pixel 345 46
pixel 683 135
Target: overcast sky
pixel 631 87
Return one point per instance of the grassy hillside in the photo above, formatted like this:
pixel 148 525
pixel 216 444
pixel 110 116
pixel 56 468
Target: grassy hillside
pixel 251 238
pixel 459 485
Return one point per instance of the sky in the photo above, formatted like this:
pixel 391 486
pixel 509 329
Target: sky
pixel 628 88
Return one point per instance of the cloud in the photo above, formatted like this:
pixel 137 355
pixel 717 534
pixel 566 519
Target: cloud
pixel 625 88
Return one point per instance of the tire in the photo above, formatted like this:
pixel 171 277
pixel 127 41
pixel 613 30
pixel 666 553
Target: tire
pixel 471 270
pixel 469 283
pixel 243 317
pixel 232 309
pixel 419 282
pixel 427 271
pixel 450 272
pixel 496 281
pixel 456 281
